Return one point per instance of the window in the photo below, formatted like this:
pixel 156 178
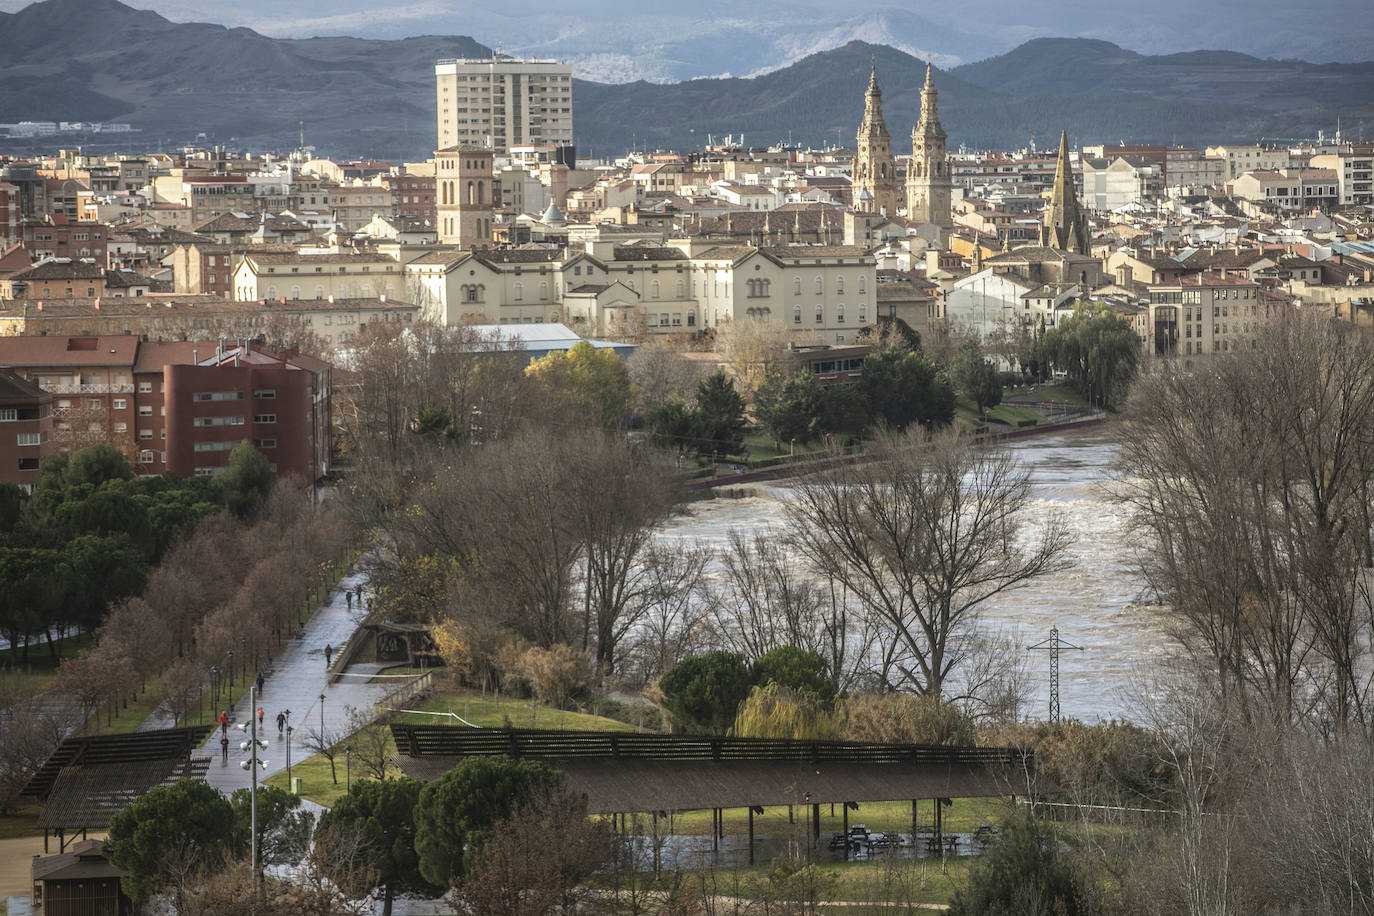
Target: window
pixel 145 410
pixel 861 286
pixel 120 404
pixel 820 286
pixel 145 387
pixel 216 446
pixel 863 312
pixel 93 403
pixel 146 456
pixel 121 427
pixel 264 418
pixel 519 291
pixel 796 314
pixel 217 421
pixel 28 439
pixel 264 443
pixel 217 396
pixel 839 285
pixel 9 413
pixel 820 315
pixel 265 394
pixel 145 434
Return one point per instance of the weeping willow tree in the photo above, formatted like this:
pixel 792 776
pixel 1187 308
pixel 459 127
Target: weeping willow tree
pixel 775 711
pixel 1098 349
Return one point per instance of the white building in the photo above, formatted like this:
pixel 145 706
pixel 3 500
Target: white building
pixel 501 102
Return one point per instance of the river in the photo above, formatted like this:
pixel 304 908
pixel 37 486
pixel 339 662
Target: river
pixel 1096 603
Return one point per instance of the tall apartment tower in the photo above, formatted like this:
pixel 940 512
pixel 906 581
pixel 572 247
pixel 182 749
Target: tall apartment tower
pixel 1065 225
pixel 503 102
pixel 463 195
pixel 927 182
pixel 875 178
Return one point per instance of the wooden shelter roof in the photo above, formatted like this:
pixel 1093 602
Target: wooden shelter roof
pixel 650 772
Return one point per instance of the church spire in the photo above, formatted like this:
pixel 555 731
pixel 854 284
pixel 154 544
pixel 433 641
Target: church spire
pixel 874 181
pixel 928 185
pixel 1065 225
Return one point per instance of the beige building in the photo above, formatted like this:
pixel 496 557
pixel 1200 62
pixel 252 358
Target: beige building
pixel 928 183
pixel 1206 314
pixel 822 294
pixel 1354 173
pixel 501 102
pixel 1241 159
pixel 337 275
pixel 463 197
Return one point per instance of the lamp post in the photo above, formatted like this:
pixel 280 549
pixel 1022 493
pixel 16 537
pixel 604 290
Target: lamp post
pixel 321 717
pixel 251 764
pixel 290 786
pixel 348 767
pixel 231 668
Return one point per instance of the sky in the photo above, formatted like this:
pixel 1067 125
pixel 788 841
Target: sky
pixel 619 40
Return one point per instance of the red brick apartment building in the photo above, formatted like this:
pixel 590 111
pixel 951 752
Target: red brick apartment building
pixel 25 429
pixel 179 406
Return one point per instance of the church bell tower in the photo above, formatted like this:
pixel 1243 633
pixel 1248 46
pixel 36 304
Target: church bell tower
pixel 875 178
pixel 927 182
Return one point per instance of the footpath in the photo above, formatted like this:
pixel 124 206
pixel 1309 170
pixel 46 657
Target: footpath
pixel 295 681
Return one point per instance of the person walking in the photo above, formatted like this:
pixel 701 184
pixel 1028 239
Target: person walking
pixel 224 725
pixel 349 596
pixel 224 751
pixel 328 655
pixel 259 683
pixel 259 719
pixel 281 722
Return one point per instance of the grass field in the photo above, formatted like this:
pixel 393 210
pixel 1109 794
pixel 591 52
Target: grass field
pixel 490 711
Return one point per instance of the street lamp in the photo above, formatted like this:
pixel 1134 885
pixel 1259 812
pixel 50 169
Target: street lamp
pixel 348 767
pixel 231 667
pixel 792 448
pixel 321 717
pixel 252 745
pixel 290 786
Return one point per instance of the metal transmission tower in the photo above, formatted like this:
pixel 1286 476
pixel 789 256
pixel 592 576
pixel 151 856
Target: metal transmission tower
pixel 1053 645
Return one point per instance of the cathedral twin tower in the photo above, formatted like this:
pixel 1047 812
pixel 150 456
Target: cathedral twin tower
pixel 927 181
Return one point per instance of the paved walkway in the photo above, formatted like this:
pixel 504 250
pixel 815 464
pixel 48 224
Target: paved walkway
pixel 294 682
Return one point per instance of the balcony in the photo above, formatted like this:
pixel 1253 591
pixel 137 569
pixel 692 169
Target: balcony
pixel 89 389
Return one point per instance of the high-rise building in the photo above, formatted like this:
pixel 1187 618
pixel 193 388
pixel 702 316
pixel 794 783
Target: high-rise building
pixel 501 102
pixel 928 181
pixel 1065 226
pixel 875 177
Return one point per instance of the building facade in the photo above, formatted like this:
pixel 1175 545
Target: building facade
pixel 501 102
pixel 464 196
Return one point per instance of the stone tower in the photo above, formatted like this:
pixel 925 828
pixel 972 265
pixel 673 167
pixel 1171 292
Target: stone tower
pixel 463 196
pixel 1064 225
pixel 875 177
pixel 927 181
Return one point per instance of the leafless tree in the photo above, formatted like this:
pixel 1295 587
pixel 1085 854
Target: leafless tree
pixel 1249 486
pixel 661 371
pixel 672 603
pixel 328 743
pixel 923 536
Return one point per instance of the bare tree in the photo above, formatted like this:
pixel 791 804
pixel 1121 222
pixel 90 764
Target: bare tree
pixel 327 743
pixel 661 371
pixel 923 536
pixel 672 602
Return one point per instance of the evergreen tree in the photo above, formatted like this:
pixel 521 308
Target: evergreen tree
pixel 900 388
pixel 976 377
pixel 721 409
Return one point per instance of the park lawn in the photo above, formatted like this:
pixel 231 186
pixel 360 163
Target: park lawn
pixel 23 822
pixel 33 677
pixel 491 711
pixel 131 717
pixel 317 785
pixel 762 447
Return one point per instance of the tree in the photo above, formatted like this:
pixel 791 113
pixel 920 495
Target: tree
pixel 675 424
pixel 702 692
pixel 660 372
pixel 1021 874
pixel 96 464
pixel 923 536
pixel 891 331
pixel 900 388
pixel 456 811
pixel 722 415
pixel 283 830
pixel 533 861
pixel 901 718
pixel 169 836
pixel 1098 349
pixel 246 481
pixel 556 673
pixel 796 668
pixel 976 378
pixel 789 408
pixel 751 345
pixel 773 710
pixel 382 813
pixel 594 382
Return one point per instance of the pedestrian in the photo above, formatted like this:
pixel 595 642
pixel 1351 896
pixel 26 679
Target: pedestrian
pixel 259 682
pixel 224 751
pixel 328 654
pixel 349 596
pixel 281 722
pixel 224 724
pixel 259 719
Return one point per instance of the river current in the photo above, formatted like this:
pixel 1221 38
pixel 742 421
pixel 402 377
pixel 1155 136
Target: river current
pixel 1096 602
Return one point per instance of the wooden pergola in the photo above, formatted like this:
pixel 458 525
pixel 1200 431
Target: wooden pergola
pixel 621 773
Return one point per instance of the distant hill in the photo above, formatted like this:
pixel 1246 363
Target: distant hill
pixel 102 60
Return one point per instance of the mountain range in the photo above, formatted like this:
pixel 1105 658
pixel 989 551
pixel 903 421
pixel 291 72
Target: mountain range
pixel 102 60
